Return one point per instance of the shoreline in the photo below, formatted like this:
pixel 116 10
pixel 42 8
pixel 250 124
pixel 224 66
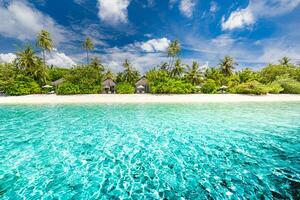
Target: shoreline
pixel 145 98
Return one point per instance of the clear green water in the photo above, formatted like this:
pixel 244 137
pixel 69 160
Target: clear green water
pixel 207 151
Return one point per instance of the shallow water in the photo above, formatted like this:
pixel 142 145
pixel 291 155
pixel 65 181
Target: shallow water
pixel 204 151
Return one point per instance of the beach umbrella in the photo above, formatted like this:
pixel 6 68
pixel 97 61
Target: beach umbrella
pixel 140 87
pixel 223 87
pixel 47 86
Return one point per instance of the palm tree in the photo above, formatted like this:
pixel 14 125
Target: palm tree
pixel 31 64
pixel 227 65
pixel 96 64
pixel 285 61
pixel 88 46
pixel 178 69
pixel 26 59
pixel 130 75
pixel 173 50
pixel 194 74
pixel 44 41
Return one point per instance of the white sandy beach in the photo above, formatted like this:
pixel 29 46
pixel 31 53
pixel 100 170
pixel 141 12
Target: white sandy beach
pixel 145 98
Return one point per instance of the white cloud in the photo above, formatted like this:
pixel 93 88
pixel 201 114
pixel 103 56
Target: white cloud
pixel 213 7
pixel 22 21
pixel 187 7
pixel 142 55
pixel 59 59
pixel 113 12
pixel 7 58
pixel 258 9
pixel 238 19
pixel 154 45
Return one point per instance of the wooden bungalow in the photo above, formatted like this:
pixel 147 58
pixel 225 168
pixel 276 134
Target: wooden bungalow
pixel 108 86
pixel 142 86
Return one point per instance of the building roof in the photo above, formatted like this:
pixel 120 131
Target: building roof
pixel 58 82
pixel 143 81
pixel 109 83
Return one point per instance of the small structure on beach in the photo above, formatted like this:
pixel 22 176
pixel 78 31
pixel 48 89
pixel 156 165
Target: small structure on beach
pixel 223 88
pixel 108 86
pixel 58 82
pixel 142 86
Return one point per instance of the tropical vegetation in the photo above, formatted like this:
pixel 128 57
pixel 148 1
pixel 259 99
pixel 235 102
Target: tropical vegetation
pixel 30 74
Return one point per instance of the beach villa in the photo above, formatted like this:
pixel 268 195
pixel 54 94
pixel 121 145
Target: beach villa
pixel 142 86
pixel 108 86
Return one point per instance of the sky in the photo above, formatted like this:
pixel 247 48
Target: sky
pixel 254 32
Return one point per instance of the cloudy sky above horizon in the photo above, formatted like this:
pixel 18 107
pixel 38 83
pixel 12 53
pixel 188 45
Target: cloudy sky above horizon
pixel 254 32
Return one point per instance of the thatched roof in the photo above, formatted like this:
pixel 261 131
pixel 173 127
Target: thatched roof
pixel 58 82
pixel 109 83
pixel 143 81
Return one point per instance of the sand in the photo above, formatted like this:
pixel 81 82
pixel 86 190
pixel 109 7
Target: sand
pixel 145 98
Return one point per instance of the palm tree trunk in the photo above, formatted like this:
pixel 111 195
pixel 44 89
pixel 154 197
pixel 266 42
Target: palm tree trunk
pixel 87 57
pixel 44 57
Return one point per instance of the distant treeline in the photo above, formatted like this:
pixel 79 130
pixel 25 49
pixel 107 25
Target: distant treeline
pixel 29 74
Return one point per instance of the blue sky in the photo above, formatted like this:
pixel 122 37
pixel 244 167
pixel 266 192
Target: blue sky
pixel 254 32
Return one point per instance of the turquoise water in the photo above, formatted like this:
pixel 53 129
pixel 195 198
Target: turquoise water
pixel 205 151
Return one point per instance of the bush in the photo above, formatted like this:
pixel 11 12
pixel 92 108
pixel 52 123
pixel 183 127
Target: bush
pixel 172 86
pixel 209 87
pixel 22 85
pixel 274 88
pixel 68 89
pixel 272 72
pixel 290 86
pixel 251 87
pixel 125 88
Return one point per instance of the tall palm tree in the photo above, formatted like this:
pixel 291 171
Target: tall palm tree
pixel 88 45
pixel 44 41
pixel 194 74
pixel 227 65
pixel 173 51
pixel 130 75
pixel 285 61
pixel 178 69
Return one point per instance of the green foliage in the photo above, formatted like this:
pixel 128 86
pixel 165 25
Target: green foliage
pixel 22 85
pixel 227 65
pixel 161 83
pixel 31 65
pixel 272 72
pixel 274 88
pixel 194 74
pixel 209 87
pixel 289 85
pixel 216 75
pixel 129 75
pixel 56 73
pixel 125 88
pixel 251 87
pixel 88 80
pixel 247 75
pixel 68 89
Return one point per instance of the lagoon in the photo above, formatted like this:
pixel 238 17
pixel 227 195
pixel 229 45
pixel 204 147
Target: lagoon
pixel 150 151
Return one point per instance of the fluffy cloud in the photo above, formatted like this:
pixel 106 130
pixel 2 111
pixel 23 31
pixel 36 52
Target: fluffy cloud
pixel 187 7
pixel 238 19
pixel 113 12
pixel 154 45
pixel 258 9
pixel 143 55
pixel 7 58
pixel 20 20
pixel 60 59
